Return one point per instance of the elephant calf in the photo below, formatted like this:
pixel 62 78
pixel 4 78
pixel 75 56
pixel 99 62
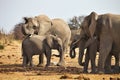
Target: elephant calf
pixel 37 45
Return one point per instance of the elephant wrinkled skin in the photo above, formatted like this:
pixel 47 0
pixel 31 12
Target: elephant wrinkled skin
pixel 106 27
pixel 39 45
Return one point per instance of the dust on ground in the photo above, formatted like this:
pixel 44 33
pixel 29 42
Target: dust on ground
pixel 11 68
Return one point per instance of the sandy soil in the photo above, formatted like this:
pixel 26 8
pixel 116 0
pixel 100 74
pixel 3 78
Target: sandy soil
pixel 11 68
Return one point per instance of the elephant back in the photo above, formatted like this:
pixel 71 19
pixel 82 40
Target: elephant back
pixel 60 28
pixel 43 18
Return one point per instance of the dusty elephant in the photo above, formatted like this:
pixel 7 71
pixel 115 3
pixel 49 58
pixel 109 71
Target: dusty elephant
pixel 42 25
pixel 106 27
pixel 90 46
pixel 74 44
pixel 39 45
pixel 93 47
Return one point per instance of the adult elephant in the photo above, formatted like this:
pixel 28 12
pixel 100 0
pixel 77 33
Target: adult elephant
pixel 106 28
pixel 91 46
pixel 42 25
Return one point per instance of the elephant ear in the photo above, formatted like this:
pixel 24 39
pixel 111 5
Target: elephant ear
pixel 45 24
pixel 26 19
pixel 49 40
pixel 92 27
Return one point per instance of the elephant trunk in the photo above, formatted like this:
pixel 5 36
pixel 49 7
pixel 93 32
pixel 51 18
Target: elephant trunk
pixel 72 49
pixel 81 52
pixel 25 31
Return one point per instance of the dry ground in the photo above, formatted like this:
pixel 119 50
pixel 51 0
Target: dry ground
pixel 11 69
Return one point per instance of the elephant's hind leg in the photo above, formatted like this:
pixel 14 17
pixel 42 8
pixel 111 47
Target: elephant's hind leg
pixel 41 60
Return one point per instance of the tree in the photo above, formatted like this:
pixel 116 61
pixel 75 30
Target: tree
pixel 17 31
pixel 75 22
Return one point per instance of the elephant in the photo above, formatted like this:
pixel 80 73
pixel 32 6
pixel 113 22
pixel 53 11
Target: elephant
pixel 74 44
pixel 43 25
pixel 91 47
pixel 106 28
pixel 93 44
pixel 39 45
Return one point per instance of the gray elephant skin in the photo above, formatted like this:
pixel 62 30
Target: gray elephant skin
pixel 42 25
pixel 106 27
pixel 91 47
pixel 39 45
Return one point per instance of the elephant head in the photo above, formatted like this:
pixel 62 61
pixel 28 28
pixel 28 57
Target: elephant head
pixel 89 24
pixel 25 29
pixel 38 25
pixel 54 42
pixel 88 28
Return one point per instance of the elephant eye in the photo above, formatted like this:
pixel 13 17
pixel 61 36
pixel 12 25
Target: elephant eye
pixel 34 27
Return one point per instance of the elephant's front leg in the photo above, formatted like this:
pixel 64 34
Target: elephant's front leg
pixel 105 48
pixel 116 68
pixel 41 60
pixel 48 56
pixel 108 64
pixel 92 53
pixel 87 58
pixel 61 61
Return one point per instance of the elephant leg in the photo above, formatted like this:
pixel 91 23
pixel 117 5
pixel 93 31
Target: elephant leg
pixel 116 68
pixel 25 61
pixel 108 64
pixel 61 61
pixel 30 59
pixel 48 56
pixel 62 54
pixel 87 58
pixel 92 54
pixel 81 53
pixel 105 48
pixel 41 60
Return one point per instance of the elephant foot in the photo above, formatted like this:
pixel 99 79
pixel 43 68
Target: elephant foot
pixel 108 72
pixel 31 66
pixel 24 66
pixel 40 65
pixel 47 65
pixel 116 70
pixel 93 72
pixel 82 64
pixel 100 72
pixel 84 71
pixel 61 64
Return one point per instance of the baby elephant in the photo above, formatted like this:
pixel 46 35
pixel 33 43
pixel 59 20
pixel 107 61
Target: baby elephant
pixel 37 45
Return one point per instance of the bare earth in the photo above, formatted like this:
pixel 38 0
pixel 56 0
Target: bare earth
pixel 11 68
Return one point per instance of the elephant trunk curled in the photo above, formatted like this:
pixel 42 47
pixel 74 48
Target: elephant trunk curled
pixel 73 45
pixel 81 52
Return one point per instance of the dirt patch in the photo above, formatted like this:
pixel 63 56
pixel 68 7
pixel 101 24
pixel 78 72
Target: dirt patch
pixel 11 68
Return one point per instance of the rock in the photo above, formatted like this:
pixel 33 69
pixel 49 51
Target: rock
pixel 66 76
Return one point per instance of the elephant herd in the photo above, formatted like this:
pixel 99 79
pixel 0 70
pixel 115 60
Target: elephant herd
pixel 99 33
